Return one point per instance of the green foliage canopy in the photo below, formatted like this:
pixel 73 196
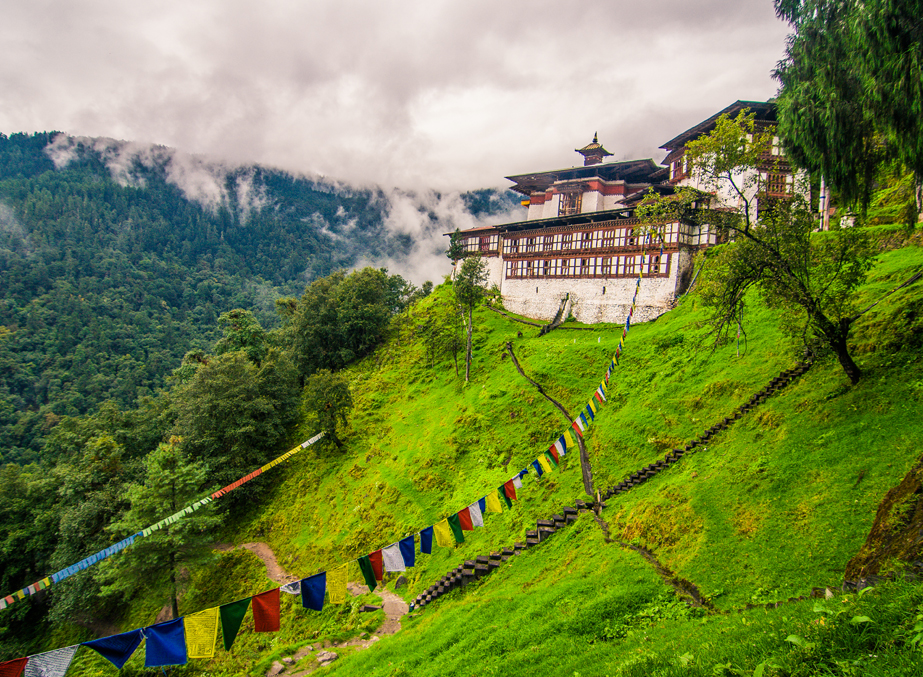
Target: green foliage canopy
pixel 852 89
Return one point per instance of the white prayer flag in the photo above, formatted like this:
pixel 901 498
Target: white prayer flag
pixel 477 519
pixel 392 558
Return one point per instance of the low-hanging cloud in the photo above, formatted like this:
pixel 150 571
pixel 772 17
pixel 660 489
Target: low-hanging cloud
pixel 437 94
pixel 200 179
pixel 426 217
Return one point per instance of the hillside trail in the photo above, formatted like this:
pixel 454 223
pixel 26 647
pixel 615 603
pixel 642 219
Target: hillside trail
pixel 394 607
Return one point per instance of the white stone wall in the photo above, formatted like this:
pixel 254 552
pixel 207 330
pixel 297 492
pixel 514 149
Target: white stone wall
pixel 611 202
pixel 591 202
pixel 494 270
pixel 540 298
pixel 536 211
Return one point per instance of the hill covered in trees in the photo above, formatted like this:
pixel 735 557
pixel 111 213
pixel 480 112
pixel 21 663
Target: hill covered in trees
pixel 116 259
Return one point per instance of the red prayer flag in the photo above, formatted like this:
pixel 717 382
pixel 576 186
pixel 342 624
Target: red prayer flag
pixel 577 428
pixel 464 518
pixel 510 490
pixel 596 393
pixel 376 560
pixel 13 668
pixel 554 452
pixel 266 611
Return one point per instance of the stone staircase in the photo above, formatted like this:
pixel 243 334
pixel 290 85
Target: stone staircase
pixel 480 566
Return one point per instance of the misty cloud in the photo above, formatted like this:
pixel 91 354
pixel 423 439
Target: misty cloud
pixel 426 217
pixel 200 179
pixel 444 95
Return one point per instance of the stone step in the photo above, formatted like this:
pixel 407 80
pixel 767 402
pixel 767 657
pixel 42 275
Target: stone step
pixel 495 555
pixel 545 532
pixel 519 547
pixel 544 523
pixel 531 542
pixel 506 552
pixel 480 570
pixel 569 510
pixel 532 533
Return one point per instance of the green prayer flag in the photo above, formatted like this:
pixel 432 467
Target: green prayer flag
pixel 368 572
pixel 455 526
pixel 232 615
pixel 509 503
pixel 551 459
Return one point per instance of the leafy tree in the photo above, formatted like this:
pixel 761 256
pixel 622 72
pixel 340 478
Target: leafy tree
pixel 242 332
pixel 171 482
pixel 232 415
pixel 852 89
pixel 342 318
pixel 440 328
pixel 91 494
pixel 469 292
pixel 326 397
pixel 812 276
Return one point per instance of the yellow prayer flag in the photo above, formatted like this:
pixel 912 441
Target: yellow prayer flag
pixel 201 633
pixel 546 466
pixel 336 584
pixel 593 405
pixel 443 533
pixel 493 502
pixel 570 438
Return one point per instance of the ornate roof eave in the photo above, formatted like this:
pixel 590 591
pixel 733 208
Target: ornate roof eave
pixel 765 111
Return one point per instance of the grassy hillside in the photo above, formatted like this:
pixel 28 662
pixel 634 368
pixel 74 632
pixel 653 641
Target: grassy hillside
pixel 767 510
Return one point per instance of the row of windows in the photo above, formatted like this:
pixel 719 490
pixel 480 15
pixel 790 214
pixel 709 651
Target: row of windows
pixel 610 266
pixel 484 244
pixel 608 238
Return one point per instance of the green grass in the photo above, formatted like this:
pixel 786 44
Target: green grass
pixel 768 509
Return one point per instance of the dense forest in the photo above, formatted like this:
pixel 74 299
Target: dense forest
pixel 114 263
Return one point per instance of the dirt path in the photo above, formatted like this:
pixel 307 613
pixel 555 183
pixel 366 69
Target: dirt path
pixel 273 569
pixel 394 607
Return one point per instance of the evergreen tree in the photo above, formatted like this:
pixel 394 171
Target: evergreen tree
pixel 852 89
pixel 171 482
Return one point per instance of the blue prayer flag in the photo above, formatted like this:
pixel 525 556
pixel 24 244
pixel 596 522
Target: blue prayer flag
pixel 312 591
pixel 482 505
pixel 426 541
pixel 117 649
pixel 406 547
pixel 538 467
pixel 166 644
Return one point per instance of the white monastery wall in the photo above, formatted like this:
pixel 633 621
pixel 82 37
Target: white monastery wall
pixel 494 271
pixel 591 202
pixel 598 299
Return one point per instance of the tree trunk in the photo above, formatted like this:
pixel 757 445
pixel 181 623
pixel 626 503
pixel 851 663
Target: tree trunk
pixel 173 585
pixel 468 348
pixel 586 469
pixel 838 344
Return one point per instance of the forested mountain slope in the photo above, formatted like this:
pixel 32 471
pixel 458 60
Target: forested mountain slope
pixel 767 510
pixel 117 258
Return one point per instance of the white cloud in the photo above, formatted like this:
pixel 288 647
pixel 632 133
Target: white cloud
pixel 436 94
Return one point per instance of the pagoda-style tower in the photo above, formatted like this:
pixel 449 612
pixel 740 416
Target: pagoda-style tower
pixel 593 153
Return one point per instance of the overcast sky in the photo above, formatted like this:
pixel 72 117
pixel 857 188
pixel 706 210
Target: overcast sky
pixel 429 93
